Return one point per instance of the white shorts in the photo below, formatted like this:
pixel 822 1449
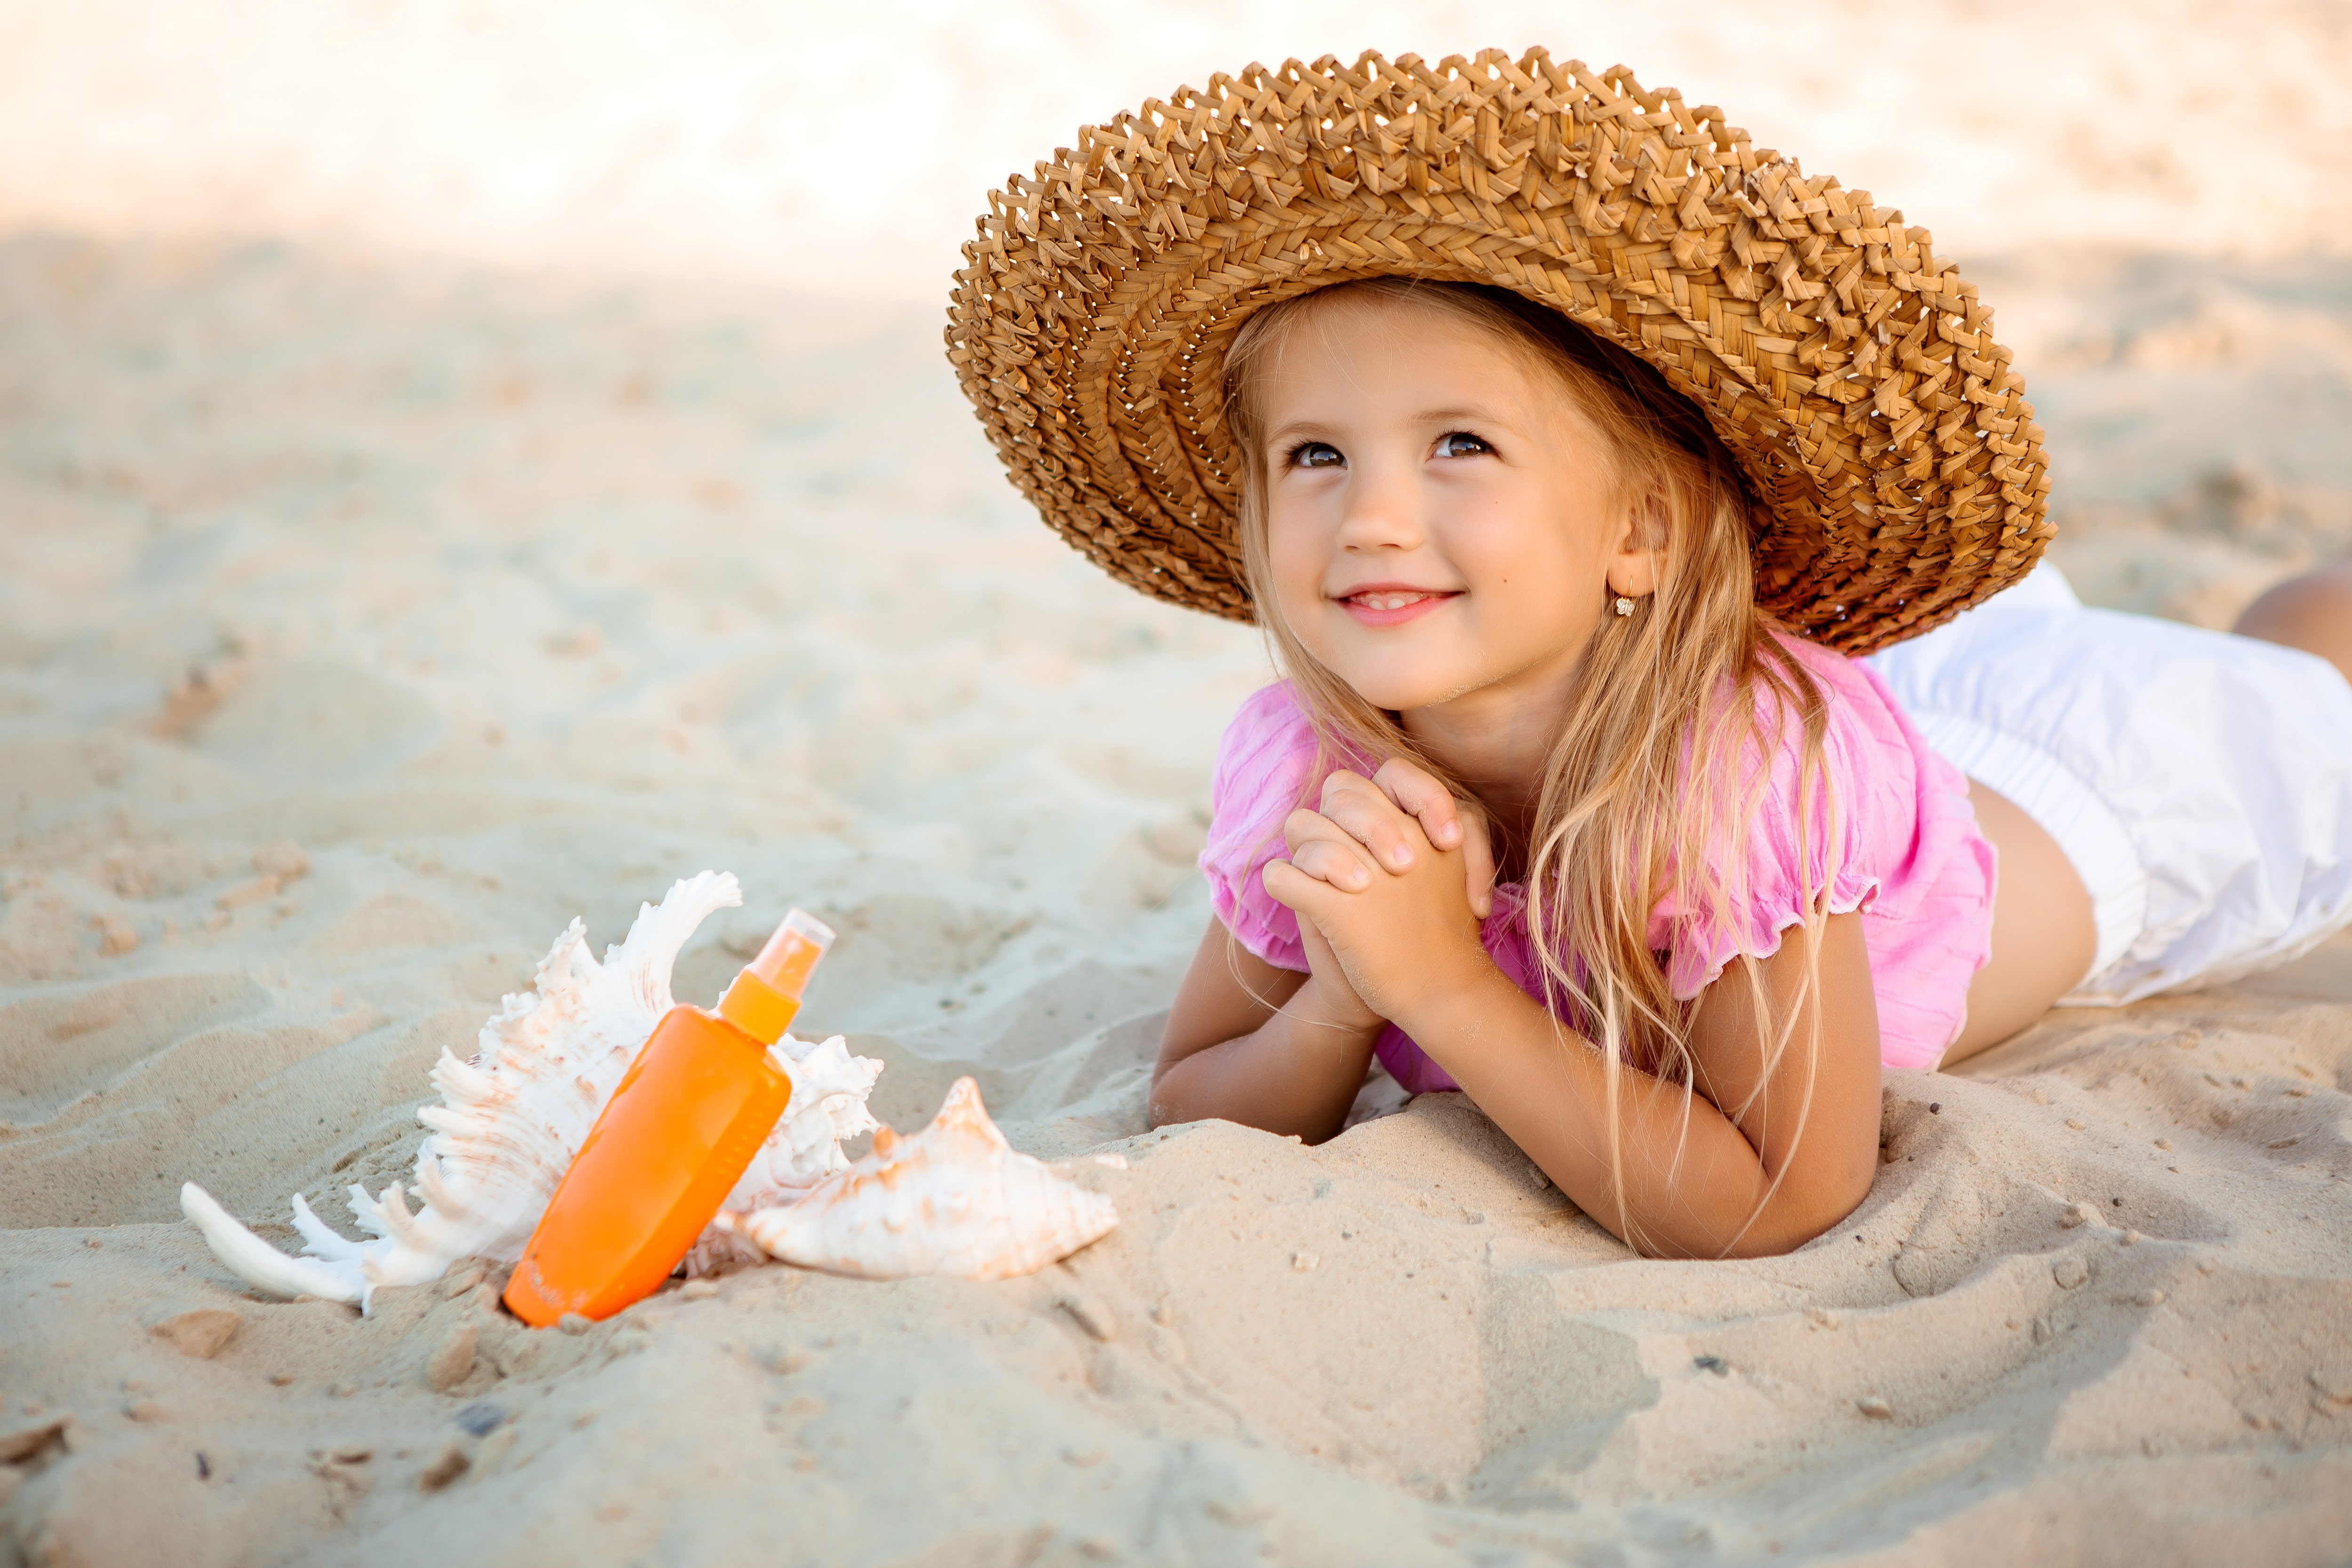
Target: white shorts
pixel 2200 783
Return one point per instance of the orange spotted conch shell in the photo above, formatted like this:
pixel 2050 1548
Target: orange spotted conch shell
pixel 955 1199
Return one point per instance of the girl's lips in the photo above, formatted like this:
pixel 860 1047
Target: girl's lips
pixel 1390 605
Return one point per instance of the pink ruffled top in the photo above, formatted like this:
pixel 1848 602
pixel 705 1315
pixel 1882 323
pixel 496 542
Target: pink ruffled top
pixel 1907 854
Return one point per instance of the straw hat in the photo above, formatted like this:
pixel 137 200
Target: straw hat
pixel 1898 474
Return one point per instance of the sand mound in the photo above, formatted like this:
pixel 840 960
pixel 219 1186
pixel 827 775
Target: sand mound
pixel 358 629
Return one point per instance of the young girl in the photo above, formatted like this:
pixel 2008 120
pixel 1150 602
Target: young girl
pixel 1537 418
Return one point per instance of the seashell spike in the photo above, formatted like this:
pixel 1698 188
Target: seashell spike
pixel 953 1199
pixel 510 1120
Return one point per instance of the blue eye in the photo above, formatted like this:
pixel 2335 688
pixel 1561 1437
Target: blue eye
pixel 1316 455
pixel 1461 444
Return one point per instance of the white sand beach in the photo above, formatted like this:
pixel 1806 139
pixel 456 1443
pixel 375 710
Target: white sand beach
pixel 384 584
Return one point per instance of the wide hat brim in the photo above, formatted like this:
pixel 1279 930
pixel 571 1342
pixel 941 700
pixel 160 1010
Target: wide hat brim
pixel 1852 373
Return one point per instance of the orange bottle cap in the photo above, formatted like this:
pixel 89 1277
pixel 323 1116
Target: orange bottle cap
pixel 767 994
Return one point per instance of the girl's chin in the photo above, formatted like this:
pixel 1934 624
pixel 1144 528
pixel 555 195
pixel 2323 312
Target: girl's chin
pixel 1397 690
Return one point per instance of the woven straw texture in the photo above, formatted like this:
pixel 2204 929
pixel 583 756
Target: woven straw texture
pixel 1851 371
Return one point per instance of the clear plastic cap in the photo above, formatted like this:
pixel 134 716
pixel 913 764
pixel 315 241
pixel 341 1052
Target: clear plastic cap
pixel 767 994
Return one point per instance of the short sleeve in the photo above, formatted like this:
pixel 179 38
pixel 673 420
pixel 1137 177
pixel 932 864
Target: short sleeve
pixel 1262 767
pixel 1853 835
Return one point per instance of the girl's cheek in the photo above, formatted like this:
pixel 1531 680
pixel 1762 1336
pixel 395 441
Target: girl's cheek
pixel 1292 549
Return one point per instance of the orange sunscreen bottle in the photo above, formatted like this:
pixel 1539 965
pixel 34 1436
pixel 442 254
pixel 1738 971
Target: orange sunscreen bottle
pixel 674 1140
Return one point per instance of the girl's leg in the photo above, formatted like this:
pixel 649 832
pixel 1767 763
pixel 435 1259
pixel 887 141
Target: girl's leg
pixel 2313 612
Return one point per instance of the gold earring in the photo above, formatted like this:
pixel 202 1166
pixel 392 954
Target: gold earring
pixel 1624 606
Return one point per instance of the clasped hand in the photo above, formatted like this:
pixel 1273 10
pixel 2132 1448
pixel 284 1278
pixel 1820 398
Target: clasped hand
pixel 1390 878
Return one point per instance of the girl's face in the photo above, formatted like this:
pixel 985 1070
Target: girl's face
pixel 1439 518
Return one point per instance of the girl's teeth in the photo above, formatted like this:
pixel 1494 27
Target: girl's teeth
pixel 1389 601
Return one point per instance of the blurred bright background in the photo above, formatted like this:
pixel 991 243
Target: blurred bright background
pixel 838 147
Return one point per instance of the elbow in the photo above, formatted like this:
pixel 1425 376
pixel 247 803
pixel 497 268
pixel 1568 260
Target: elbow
pixel 1806 1217
pixel 1165 1102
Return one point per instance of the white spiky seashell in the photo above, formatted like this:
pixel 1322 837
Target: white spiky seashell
pixel 953 1199
pixel 511 1119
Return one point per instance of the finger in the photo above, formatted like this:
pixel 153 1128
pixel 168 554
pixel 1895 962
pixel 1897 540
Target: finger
pixel 1360 808
pixel 1324 850
pixel 1294 889
pixel 1418 795
pixel 1478 862
pixel 1341 865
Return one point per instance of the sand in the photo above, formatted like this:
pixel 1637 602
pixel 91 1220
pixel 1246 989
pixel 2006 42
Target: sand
pixel 364 616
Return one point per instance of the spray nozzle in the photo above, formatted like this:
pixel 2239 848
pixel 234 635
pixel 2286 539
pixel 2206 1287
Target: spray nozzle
pixel 768 991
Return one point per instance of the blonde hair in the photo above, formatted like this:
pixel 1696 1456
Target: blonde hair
pixel 1658 762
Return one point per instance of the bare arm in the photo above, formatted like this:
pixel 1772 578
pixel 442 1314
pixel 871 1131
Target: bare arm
pixel 1266 1046
pixel 1750 1162
pixel 1272 1048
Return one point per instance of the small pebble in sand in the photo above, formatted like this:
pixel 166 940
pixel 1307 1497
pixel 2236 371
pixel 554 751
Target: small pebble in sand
pixel 1877 1409
pixel 2149 1299
pixel 146 1410
pixel 1936 1108
pixel 280 1379
pixel 482 1418
pixel 574 1323
pixel 341 1390
pixel 116 936
pixel 452 1464
pixel 200 1332
pixel 1822 1317
pixel 454 1362
pixel 1082 1458
pixel 699 1290
pixel 2077 1214
pixel 2133 1239
pixel 2074 1123
pixel 2070 1272
pixel 2164 1143
pixel 1303 1262
pixel 2042 1330
pixel 354 1454
pixel 1714 1363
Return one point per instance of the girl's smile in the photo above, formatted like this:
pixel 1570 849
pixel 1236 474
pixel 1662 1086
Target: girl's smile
pixel 1392 604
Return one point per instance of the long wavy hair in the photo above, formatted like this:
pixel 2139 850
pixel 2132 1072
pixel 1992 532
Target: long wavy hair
pixel 1662 752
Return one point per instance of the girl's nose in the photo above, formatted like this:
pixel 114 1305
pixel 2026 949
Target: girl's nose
pixel 1381 511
